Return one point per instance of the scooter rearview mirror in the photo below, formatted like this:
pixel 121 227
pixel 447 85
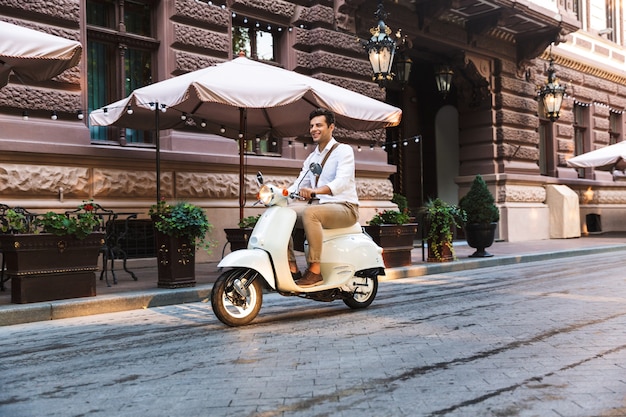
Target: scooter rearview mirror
pixel 315 168
pixel 259 177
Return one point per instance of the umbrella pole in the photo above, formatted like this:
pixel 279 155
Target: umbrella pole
pixel 242 145
pixel 157 140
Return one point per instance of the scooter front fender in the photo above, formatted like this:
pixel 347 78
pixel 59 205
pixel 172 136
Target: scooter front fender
pixel 256 259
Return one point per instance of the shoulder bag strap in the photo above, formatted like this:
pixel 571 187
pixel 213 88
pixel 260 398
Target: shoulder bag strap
pixel 317 177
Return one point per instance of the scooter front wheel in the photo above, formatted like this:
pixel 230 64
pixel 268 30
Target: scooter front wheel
pixel 237 296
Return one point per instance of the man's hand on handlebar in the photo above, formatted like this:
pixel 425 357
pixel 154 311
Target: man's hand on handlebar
pixel 307 193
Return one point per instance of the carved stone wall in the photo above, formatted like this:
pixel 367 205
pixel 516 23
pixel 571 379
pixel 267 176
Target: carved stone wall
pixel 115 183
pixel 42 180
pixel 521 194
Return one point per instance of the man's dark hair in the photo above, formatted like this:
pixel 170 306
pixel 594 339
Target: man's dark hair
pixel 328 115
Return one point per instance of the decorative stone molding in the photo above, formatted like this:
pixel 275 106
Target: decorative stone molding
pixel 130 184
pixel 602 196
pixel 318 15
pixel 33 98
pixel 367 88
pixel 374 189
pixel 320 37
pixel 277 8
pixel 207 185
pixel 202 12
pixel 521 194
pixel 320 59
pixel 201 38
pixel 373 136
pixel 188 62
pixel 43 180
pixel 63 10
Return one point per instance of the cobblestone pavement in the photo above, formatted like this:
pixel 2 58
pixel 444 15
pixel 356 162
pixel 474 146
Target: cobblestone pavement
pixel 539 339
pixel 128 294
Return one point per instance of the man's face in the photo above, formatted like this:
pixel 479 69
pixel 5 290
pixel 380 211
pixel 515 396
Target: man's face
pixel 320 131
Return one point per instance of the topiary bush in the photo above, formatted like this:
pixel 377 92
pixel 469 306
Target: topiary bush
pixel 479 203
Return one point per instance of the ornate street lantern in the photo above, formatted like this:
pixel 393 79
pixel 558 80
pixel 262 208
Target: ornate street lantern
pixel 381 48
pixel 552 94
pixel 443 78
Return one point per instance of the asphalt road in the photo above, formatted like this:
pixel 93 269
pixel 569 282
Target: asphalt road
pixel 537 339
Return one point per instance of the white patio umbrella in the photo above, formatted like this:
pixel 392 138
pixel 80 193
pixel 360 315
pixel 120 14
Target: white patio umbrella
pixel 34 55
pixel 603 159
pixel 241 96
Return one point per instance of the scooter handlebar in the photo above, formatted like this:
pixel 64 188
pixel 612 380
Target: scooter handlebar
pixel 297 196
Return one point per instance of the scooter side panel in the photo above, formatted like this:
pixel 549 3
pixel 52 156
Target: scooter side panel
pixel 255 259
pixel 343 255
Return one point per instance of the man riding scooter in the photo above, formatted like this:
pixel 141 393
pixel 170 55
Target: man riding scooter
pixel 336 204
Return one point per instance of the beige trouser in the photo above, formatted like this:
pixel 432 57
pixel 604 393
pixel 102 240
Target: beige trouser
pixel 316 217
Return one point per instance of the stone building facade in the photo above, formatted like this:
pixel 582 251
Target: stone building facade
pixel 489 123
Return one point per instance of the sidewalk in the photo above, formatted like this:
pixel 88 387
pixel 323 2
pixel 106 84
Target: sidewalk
pixel 130 295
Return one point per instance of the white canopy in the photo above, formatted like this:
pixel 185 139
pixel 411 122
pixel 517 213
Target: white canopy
pixel 602 159
pixel 34 55
pixel 277 101
pixel 243 95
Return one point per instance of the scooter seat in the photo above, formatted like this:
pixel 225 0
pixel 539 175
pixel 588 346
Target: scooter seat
pixel 355 228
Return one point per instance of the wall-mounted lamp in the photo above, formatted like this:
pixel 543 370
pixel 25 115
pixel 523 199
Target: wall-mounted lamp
pixel 552 94
pixel 443 78
pixel 381 48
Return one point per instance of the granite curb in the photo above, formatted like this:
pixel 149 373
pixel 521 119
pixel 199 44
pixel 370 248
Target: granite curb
pixel 133 300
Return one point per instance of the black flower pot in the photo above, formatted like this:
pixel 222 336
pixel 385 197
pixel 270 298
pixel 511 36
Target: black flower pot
pixel 480 236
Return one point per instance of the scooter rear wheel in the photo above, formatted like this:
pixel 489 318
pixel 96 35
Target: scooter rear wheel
pixel 235 300
pixel 365 289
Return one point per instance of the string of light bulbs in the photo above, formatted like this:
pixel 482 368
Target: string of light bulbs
pixel 223 6
pixel 595 104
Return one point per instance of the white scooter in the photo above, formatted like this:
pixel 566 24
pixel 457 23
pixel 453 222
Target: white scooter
pixel 351 263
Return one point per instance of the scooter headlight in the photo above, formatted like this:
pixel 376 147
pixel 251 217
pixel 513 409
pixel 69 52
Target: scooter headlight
pixel 266 195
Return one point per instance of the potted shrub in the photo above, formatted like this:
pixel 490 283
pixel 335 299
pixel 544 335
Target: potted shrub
pixel 51 256
pixel 442 219
pixel 180 229
pixel 238 237
pixel 482 217
pixel 393 231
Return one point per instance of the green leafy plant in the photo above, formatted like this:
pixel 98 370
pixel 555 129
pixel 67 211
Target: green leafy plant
pixel 479 203
pixel 401 202
pixel 14 222
pixel 389 217
pixel 182 220
pixel 80 224
pixel 442 218
pixel 399 216
pixel 248 222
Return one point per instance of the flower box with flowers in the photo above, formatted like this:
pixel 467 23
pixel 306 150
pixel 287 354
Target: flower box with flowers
pixel 391 230
pixel 51 256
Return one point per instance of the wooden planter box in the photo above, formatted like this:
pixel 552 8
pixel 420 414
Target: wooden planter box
pixel 176 261
pixel 446 254
pixel 46 267
pixel 238 238
pixel 396 241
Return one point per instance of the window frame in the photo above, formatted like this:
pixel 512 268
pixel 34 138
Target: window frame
pixel 254 26
pixel 582 141
pixel 117 42
pixel 616 127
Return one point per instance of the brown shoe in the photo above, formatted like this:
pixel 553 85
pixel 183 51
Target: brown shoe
pixel 310 279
